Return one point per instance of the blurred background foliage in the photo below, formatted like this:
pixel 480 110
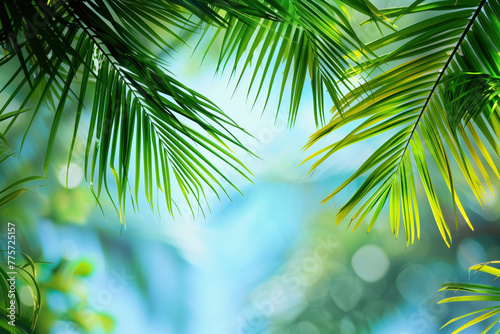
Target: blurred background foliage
pixel 274 262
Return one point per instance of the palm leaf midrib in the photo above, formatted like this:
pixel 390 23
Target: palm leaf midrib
pixel 442 72
pixel 422 111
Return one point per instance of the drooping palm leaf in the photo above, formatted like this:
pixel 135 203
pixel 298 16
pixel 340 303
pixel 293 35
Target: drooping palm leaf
pixel 11 191
pixel 475 293
pixel 139 109
pixel 26 273
pixel 410 102
pixel 26 318
pixel 312 39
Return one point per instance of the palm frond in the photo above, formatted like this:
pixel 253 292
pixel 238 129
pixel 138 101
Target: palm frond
pixel 25 318
pixel 476 293
pixel 312 39
pixel 412 103
pixel 468 95
pixel 13 190
pixel 176 136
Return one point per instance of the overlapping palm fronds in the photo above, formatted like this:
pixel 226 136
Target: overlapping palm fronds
pixel 140 111
pixel 477 293
pixel 141 114
pixel 436 95
pixel 314 41
pixel 25 317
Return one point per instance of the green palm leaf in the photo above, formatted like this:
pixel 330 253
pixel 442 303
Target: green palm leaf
pixel 13 190
pixel 412 104
pixel 139 109
pixel 475 293
pixel 26 318
pixel 311 39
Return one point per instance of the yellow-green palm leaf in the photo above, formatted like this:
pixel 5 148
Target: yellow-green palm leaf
pixel 415 100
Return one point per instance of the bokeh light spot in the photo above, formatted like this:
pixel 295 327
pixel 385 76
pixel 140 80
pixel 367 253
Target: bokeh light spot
pixel 370 263
pixel 306 327
pixel 75 175
pixel 83 269
pixel 26 295
pixel 416 282
pixel 346 292
pixel 470 252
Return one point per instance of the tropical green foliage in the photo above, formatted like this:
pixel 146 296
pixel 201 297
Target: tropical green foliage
pixel 433 91
pixel 26 273
pixel 429 88
pixel 477 293
pixel 314 39
pixel 139 110
pixel 142 117
pixel 68 278
pixel 65 277
pixel 13 190
pixel 26 317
